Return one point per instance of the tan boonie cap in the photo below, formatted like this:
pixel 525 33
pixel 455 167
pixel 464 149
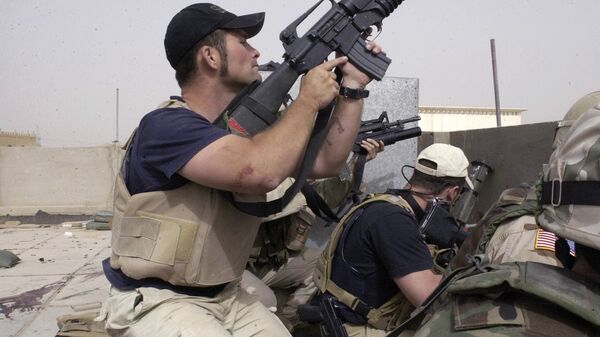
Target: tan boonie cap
pixel 571 184
pixel 450 160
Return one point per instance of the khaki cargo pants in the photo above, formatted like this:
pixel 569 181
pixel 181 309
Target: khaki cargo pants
pixel 147 312
pixel 296 274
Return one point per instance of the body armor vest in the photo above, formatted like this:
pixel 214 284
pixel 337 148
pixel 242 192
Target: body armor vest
pixel 389 314
pixel 188 236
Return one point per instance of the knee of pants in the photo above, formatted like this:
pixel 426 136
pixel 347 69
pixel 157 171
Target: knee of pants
pixel 256 287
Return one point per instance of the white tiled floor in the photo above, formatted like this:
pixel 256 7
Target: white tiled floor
pixel 58 274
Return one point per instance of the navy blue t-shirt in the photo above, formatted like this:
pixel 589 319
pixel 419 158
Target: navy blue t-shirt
pixel 384 243
pixel 165 141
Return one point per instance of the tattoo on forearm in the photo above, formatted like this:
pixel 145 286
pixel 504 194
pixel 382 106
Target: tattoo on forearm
pixel 339 127
pixel 337 124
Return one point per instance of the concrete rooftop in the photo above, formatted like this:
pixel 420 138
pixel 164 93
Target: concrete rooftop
pixel 59 273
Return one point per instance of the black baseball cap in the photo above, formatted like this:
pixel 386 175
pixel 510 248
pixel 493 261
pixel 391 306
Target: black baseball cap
pixel 196 21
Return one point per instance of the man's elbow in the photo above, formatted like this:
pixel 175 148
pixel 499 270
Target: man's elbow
pixel 326 170
pixel 270 183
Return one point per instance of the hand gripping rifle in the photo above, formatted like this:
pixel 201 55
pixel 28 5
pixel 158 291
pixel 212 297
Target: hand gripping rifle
pixel 342 29
pixel 379 129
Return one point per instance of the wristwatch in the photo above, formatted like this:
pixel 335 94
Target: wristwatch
pixel 354 93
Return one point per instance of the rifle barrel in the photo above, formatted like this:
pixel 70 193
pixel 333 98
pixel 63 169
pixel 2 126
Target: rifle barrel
pixel 377 125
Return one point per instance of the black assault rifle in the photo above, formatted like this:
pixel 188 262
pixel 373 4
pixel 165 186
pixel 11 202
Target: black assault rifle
pixel 382 129
pixel 343 28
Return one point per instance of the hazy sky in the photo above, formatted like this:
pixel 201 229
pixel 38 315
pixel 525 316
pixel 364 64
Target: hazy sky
pixel 61 61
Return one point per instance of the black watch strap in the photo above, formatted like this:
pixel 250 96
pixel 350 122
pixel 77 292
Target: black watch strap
pixel 354 93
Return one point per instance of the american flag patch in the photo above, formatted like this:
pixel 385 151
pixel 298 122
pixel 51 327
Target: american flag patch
pixel 546 241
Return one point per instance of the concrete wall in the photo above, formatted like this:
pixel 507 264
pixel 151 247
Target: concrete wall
pixel 516 153
pixel 18 139
pixel 81 180
pixel 57 180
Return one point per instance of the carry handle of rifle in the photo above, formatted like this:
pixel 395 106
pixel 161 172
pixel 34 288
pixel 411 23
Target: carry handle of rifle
pixel 374 65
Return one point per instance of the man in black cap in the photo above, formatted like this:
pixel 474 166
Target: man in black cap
pixel 178 246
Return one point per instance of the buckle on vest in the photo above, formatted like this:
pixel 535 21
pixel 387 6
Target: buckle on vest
pixel 556 185
pixel 361 307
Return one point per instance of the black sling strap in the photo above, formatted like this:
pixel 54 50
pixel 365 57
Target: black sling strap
pixel 263 209
pixel 317 205
pixel 558 192
pixel 314 201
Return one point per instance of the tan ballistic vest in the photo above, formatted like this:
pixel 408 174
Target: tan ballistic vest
pixel 189 236
pixel 391 313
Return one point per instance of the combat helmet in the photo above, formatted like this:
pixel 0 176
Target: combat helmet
pixel 577 109
pixel 571 184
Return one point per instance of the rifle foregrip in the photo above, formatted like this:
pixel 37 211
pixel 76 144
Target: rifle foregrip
pixel 387 138
pixel 374 65
pixel 391 138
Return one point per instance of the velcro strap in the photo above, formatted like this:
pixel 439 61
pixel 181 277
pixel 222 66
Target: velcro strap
pixel 558 193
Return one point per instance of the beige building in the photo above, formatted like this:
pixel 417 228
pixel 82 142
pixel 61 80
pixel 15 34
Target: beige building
pixel 446 119
pixel 8 138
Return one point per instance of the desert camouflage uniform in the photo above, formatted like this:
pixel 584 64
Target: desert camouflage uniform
pixel 508 232
pixel 507 300
pixel 528 298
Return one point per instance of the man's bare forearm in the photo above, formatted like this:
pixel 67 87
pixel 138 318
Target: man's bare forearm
pixel 341 134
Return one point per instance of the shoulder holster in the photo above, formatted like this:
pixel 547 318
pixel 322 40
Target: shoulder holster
pixel 389 314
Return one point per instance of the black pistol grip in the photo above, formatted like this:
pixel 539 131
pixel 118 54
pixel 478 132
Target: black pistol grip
pixel 373 65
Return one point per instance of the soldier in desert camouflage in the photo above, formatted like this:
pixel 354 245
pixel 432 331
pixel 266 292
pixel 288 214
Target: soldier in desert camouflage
pixel 530 298
pixel 508 231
